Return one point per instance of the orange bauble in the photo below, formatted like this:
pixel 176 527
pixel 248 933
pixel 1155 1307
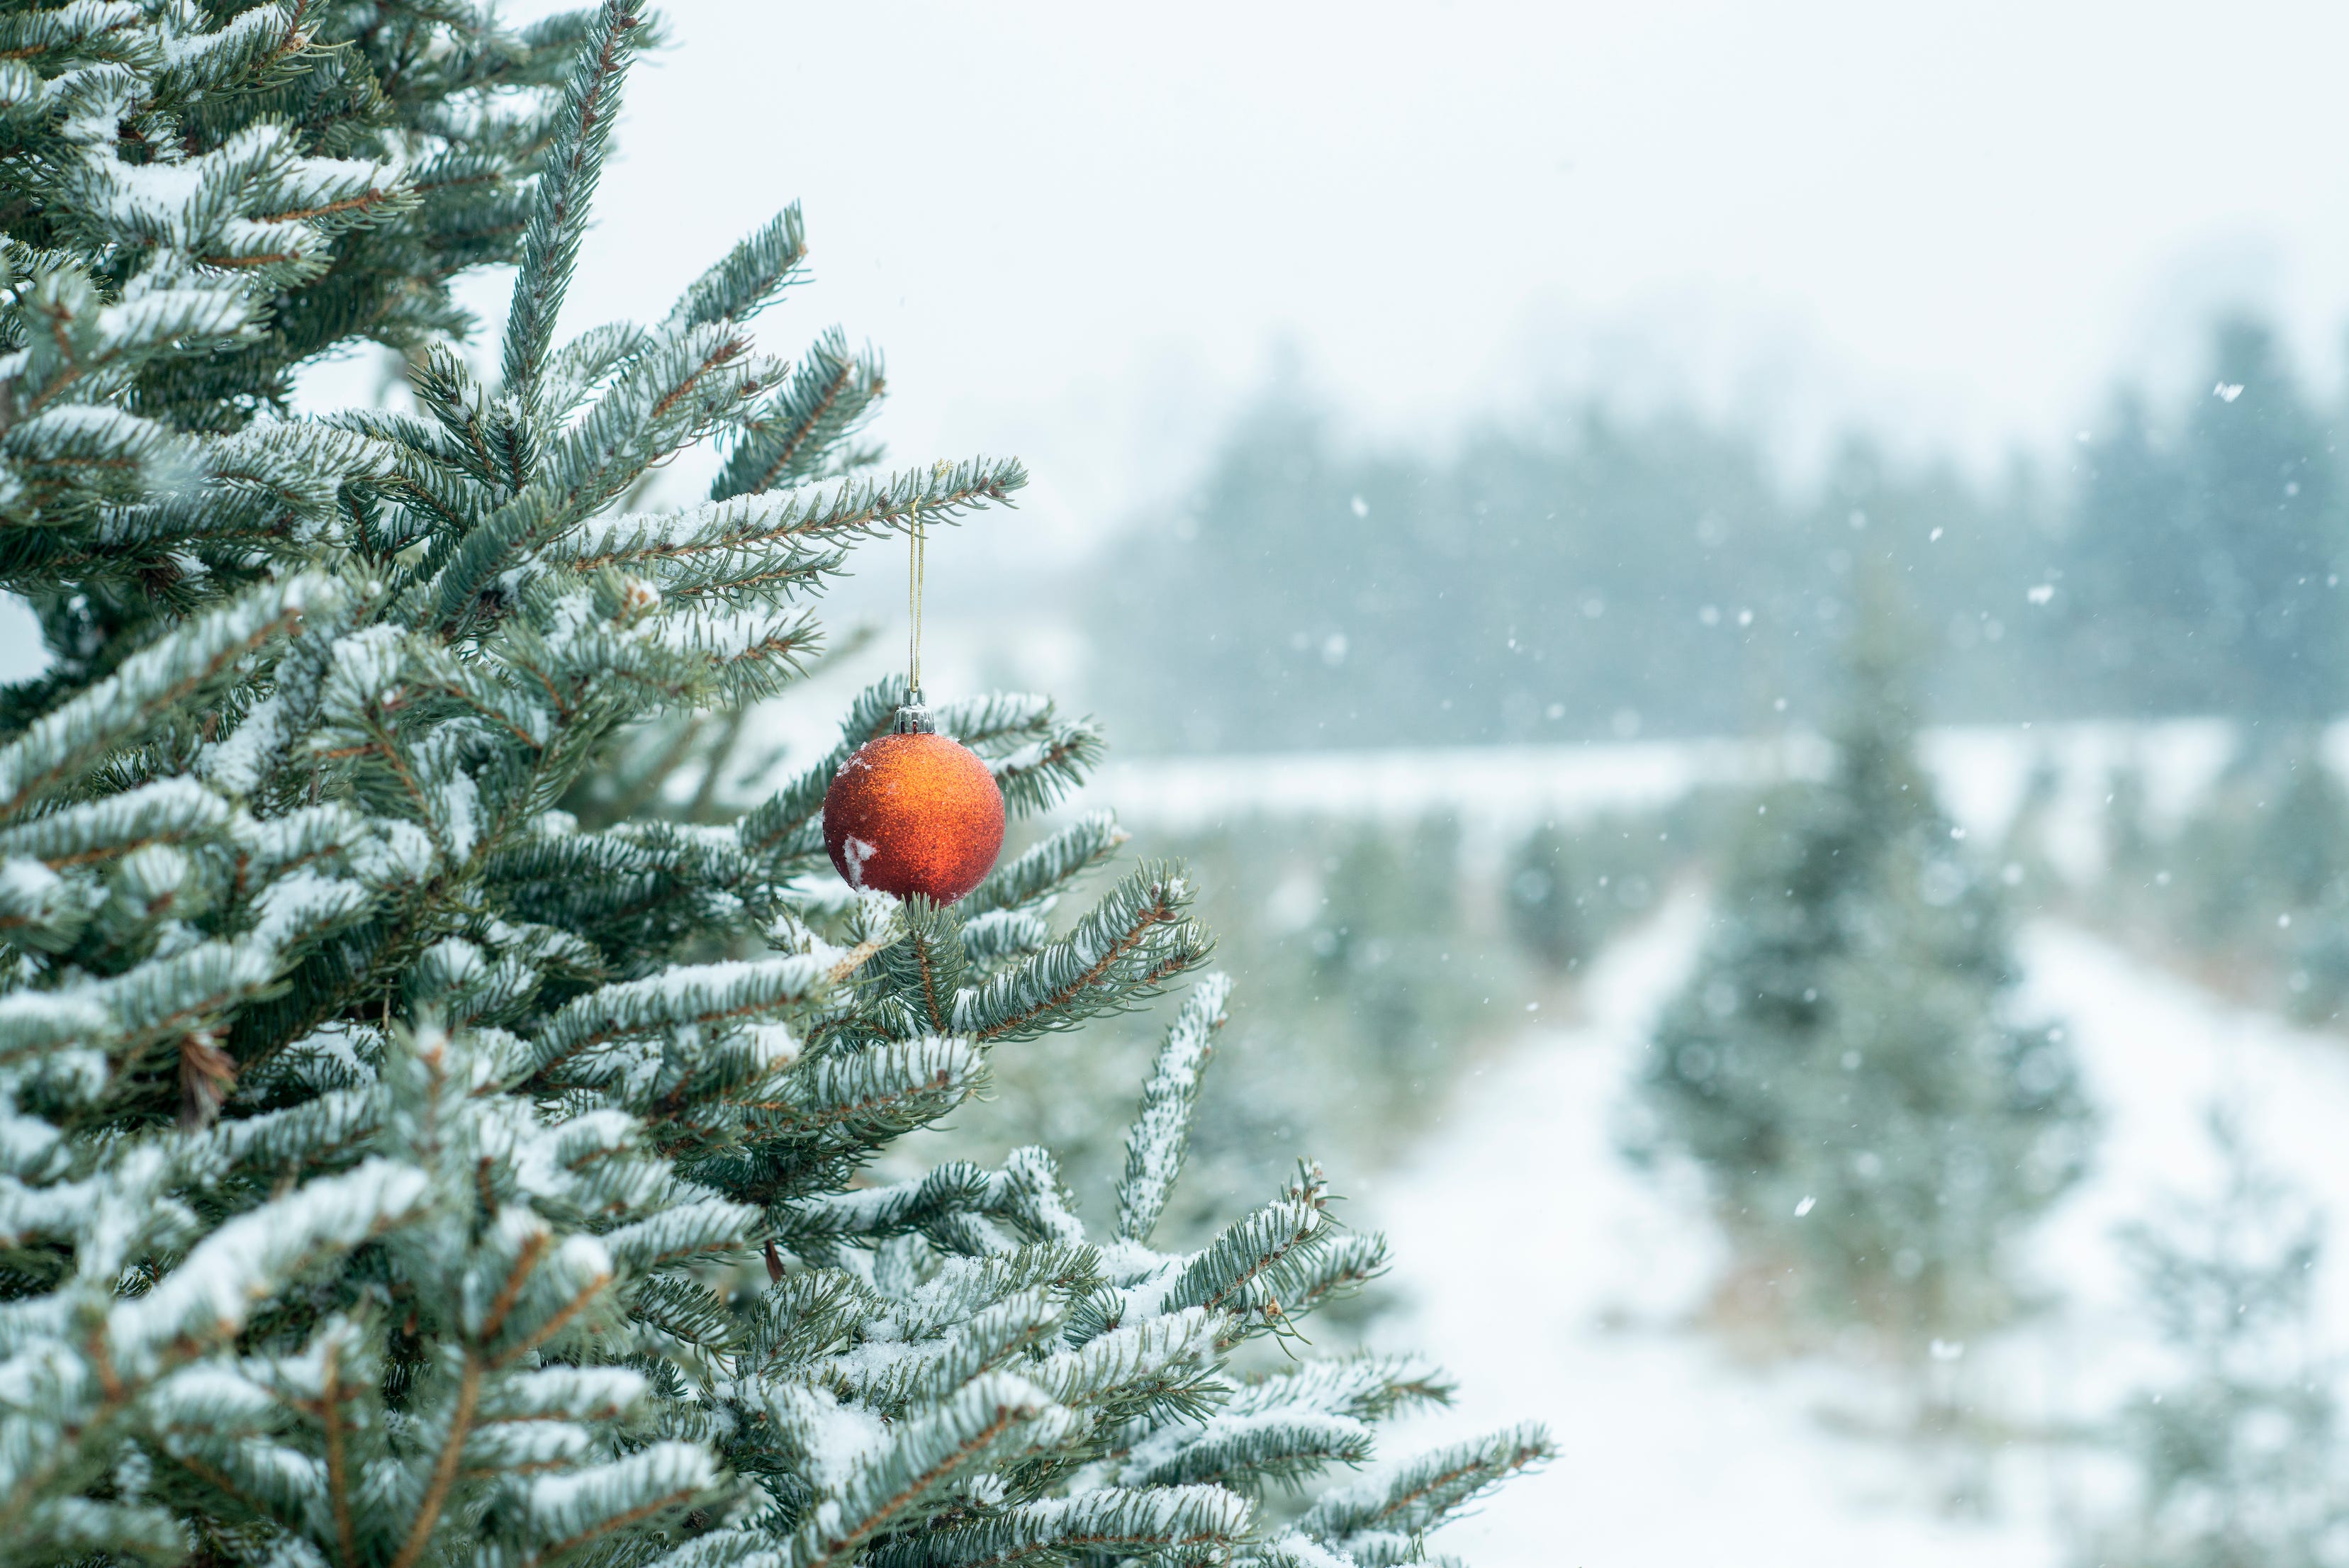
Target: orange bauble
pixel 914 814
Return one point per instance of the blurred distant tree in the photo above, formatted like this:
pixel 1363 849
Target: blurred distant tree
pixel 1546 907
pixel 1386 927
pixel 2130 849
pixel 2241 1460
pixel 2141 609
pixel 2025 858
pixel 2260 478
pixel 1589 579
pixel 2208 560
pixel 1841 1065
pixel 1590 574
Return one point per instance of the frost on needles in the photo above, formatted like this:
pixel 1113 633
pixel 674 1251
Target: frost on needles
pixel 409 1156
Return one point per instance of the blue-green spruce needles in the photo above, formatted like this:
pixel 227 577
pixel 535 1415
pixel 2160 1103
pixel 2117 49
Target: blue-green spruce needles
pixel 426 1135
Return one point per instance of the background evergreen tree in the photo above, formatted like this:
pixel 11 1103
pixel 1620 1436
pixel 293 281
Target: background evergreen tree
pixel 1388 921
pixel 2240 1458
pixel 1546 905
pixel 2207 552
pixel 1591 572
pixel 2140 569
pixel 2132 851
pixel 396 1167
pixel 2259 473
pixel 1842 1065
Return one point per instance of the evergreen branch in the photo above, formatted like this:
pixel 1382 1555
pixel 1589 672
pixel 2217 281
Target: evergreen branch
pixel 1419 1496
pixel 862 1098
pixel 1049 867
pixel 205 1300
pixel 568 1511
pixel 1114 1522
pixel 919 975
pixel 151 684
pixel 427 1518
pixel 687 1232
pixel 932 1371
pixel 697 998
pixel 1367 1388
pixel 1032 1196
pixel 946 1194
pixel 1003 936
pixel 1161 1365
pixel 1246 1452
pixel 1126 950
pixel 752 273
pixel 677 389
pixel 788 439
pixel 1344 1266
pixel 1162 1130
pixel 857 509
pixel 585 362
pixel 169 811
pixel 969 1284
pixel 566 188
pixel 1243 1269
pixel 446 389
pixel 994 1413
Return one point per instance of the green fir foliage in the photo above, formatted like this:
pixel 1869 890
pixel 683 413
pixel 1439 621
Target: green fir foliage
pixel 400 1167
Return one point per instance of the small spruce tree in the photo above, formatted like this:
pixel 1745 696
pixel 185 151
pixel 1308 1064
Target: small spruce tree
pixel 396 1167
pixel 2241 1459
pixel 1842 1065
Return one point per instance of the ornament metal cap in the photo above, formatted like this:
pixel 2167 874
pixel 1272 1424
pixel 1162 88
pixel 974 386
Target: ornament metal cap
pixel 914 715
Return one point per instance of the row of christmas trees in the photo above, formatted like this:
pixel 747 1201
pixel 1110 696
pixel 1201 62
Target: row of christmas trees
pixel 1878 1131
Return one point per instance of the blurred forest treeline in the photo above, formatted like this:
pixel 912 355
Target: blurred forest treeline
pixel 1593 575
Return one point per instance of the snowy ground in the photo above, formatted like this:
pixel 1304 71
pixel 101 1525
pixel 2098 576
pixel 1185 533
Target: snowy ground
pixel 1558 1283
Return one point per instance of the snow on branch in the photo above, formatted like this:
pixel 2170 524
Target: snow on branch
pixel 151 683
pixel 685 997
pixel 1177 1523
pixel 1161 1134
pixel 1418 1495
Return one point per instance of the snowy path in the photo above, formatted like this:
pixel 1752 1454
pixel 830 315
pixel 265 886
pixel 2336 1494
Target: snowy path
pixel 1553 1281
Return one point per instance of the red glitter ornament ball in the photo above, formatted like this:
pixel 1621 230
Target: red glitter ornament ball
pixel 914 814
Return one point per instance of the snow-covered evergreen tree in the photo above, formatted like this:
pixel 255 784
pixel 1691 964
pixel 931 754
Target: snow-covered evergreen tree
pixel 1842 1066
pixel 2241 1459
pixel 397 1168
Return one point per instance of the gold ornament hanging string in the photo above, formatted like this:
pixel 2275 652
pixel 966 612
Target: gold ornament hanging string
pixel 913 716
pixel 914 606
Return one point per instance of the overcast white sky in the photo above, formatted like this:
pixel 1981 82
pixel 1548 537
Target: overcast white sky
pixel 1077 231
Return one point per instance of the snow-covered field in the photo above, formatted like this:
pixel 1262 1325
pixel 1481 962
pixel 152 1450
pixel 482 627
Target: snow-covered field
pixel 1559 1283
